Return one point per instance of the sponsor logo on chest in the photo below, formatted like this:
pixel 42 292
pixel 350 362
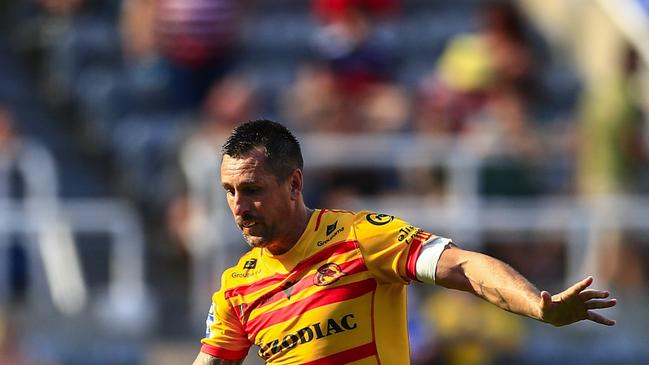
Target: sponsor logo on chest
pixel 313 332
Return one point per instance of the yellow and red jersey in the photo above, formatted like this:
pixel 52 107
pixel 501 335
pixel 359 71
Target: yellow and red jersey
pixel 337 297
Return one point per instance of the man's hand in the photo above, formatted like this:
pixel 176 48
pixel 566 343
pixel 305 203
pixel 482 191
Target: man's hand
pixel 575 304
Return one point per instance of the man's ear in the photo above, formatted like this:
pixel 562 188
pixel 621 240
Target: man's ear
pixel 296 181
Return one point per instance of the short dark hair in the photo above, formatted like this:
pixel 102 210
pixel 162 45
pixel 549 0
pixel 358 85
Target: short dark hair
pixel 282 149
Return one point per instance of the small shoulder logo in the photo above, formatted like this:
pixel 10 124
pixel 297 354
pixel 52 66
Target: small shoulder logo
pixel 379 219
pixel 332 227
pixel 250 264
pixel 332 232
pixel 328 274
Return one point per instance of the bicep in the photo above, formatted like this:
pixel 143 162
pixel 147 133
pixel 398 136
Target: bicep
pixel 206 359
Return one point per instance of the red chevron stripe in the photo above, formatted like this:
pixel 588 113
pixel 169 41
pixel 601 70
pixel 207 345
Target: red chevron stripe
pixel 223 353
pixel 317 222
pixel 321 298
pixel 413 255
pixel 349 268
pixel 321 255
pixel 258 285
pixel 347 356
pixel 336 249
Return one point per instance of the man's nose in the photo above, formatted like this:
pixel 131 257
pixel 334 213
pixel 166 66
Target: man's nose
pixel 240 205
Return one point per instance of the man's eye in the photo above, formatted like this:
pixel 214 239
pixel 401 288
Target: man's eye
pixel 252 190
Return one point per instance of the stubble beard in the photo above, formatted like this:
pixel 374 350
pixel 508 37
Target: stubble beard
pixel 259 241
pixel 254 241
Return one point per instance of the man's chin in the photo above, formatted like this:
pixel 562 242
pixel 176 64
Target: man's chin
pixel 255 241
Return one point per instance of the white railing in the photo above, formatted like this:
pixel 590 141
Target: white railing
pixel 46 226
pixel 37 214
pixel 49 239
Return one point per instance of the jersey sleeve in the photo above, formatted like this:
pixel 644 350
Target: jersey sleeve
pixel 390 246
pixel 224 334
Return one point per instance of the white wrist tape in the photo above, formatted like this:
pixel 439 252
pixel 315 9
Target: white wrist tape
pixel 428 258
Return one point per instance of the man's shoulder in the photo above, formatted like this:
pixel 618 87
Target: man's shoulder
pixel 247 269
pixel 331 226
pixel 373 219
pixel 370 226
pixel 348 216
pixel 329 219
pixel 327 213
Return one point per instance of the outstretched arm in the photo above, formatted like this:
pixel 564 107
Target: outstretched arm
pixel 498 283
pixel 205 359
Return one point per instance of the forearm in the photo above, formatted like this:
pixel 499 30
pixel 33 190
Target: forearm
pixel 500 284
pixel 492 280
pixel 205 359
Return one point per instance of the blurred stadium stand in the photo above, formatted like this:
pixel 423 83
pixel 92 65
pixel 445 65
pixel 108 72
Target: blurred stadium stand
pixel 117 237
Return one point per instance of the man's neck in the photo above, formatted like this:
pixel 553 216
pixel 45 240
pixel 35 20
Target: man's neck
pixel 303 215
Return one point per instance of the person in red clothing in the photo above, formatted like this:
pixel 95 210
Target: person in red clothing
pixel 198 39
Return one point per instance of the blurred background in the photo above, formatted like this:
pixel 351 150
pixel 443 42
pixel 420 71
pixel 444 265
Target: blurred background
pixel 517 128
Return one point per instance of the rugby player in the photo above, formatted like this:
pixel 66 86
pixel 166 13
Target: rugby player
pixel 325 286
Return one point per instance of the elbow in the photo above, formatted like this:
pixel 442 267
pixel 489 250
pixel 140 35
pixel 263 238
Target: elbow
pixel 455 277
pixel 455 269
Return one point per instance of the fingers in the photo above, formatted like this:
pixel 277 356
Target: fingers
pixel 598 318
pixel 576 288
pixel 592 294
pixel 600 303
pixel 580 286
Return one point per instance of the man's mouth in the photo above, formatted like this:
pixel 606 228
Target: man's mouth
pixel 247 224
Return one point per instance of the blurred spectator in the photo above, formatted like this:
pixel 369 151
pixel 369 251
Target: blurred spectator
pixel 353 42
pixel 11 347
pixel 610 147
pixel 330 10
pixel 146 80
pixel 312 103
pixel 175 51
pixel 631 269
pixel 611 160
pixel 229 102
pixel 70 50
pixel 486 84
pixel 199 40
pixel 64 41
pixel 423 345
pixel 470 331
pixel 316 103
pixel 137 22
pixel 350 87
pixel 62 6
pixel 496 63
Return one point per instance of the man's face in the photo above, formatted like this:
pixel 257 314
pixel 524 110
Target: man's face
pixel 260 203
